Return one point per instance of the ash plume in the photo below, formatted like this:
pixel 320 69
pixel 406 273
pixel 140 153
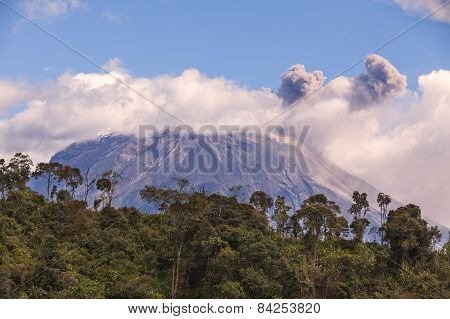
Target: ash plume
pixel 296 83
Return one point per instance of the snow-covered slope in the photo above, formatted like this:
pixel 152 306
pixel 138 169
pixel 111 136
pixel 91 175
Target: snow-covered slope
pixel 227 161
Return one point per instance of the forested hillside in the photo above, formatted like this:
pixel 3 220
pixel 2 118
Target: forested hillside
pixel 204 245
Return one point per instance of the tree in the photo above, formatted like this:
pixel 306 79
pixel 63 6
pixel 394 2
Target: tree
pixel 235 192
pixel 182 212
pixel 359 209
pixel 182 183
pixel 261 201
pixel 383 201
pixel 3 178
pixel 72 178
pixel 163 197
pixel 15 174
pixel 55 173
pixel 409 236
pixel 107 185
pixel 63 196
pixel 49 172
pixel 280 216
pixel 208 246
pixel 88 185
pixel 320 220
pixel 19 171
pixel 294 225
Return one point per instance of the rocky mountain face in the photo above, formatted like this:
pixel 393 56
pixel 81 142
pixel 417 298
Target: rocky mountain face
pixel 215 164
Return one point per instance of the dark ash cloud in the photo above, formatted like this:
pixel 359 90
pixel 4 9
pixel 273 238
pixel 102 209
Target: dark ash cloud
pixel 382 80
pixel 297 83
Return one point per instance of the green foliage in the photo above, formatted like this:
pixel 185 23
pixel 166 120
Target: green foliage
pixel 54 174
pixel 107 185
pixel 208 246
pixel 320 219
pixel 409 236
pixel 383 201
pixel 261 201
pixel 49 172
pixel 3 178
pixel 72 178
pixel 281 216
pixel 359 209
pixel 15 175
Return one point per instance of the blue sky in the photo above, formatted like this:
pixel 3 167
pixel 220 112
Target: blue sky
pixel 246 41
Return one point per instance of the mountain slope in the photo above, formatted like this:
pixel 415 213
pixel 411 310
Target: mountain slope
pixel 216 163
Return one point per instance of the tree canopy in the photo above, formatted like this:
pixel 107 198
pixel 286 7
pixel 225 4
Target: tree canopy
pixel 203 245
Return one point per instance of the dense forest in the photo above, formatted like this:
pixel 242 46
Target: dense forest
pixel 202 245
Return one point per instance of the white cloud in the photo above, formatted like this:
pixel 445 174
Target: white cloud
pixel 427 6
pixel 400 143
pixel 12 93
pixel 113 17
pixel 47 9
pixel 83 105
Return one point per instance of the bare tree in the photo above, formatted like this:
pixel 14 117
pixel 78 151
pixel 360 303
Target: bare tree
pixel 89 184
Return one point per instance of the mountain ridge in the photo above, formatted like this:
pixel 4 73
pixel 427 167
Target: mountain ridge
pixel 165 154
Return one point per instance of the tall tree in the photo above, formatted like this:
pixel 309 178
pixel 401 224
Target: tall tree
pixel 261 201
pixel 409 236
pixel 281 216
pixel 107 185
pixel 320 219
pixel 88 185
pixel 19 171
pixel 294 225
pixel 3 178
pixel 383 201
pixel 71 177
pixel 49 172
pixel 178 211
pixel 359 209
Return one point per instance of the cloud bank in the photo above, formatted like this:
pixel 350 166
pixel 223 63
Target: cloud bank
pixel 427 6
pixel 12 93
pixel 399 145
pixel 395 139
pixel 84 105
